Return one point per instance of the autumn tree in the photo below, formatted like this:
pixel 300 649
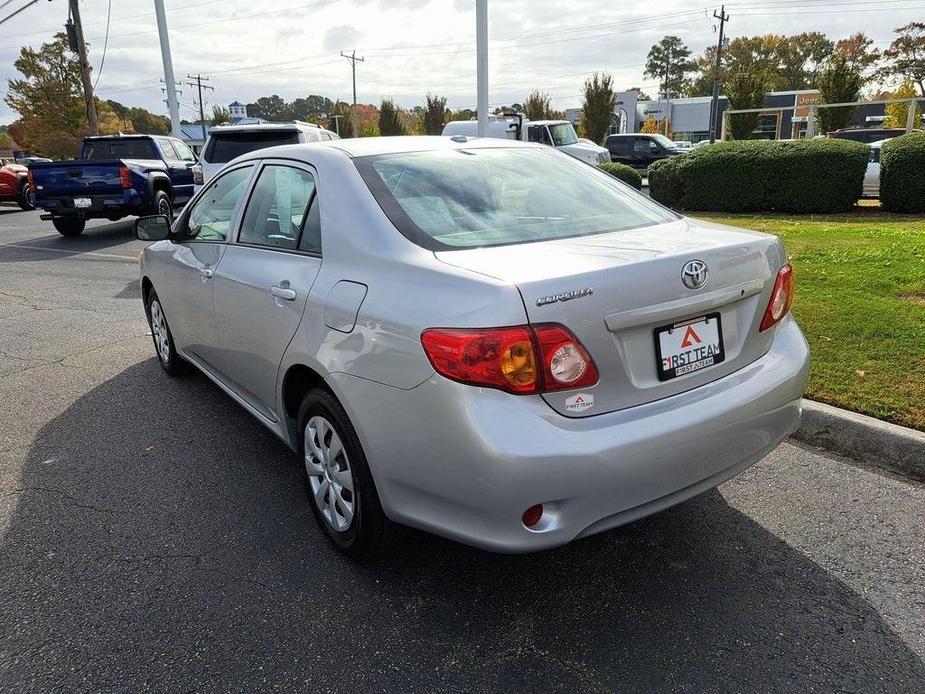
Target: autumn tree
pixel 840 82
pixel 389 121
pixel 598 102
pixel 342 119
pixel 434 115
pixel 669 61
pixel 858 51
pixel 905 58
pixel 897 115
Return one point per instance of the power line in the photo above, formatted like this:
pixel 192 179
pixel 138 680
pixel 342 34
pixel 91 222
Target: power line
pixel 99 73
pixel 9 17
pixel 200 86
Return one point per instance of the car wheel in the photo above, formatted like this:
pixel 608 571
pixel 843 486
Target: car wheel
pixel 24 202
pixel 162 204
pixel 338 483
pixel 69 226
pixel 164 347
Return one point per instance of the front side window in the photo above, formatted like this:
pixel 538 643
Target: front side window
pixel 563 134
pixel 209 219
pixel 537 133
pixel 277 207
pixel 467 198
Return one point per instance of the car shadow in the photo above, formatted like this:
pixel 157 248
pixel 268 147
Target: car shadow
pixel 93 239
pixel 160 536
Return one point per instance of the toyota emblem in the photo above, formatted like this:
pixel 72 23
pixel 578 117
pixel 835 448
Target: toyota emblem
pixel 694 274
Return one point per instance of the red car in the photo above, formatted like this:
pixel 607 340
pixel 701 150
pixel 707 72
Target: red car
pixel 14 185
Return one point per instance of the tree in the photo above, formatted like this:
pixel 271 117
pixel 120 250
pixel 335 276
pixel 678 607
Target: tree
pixel 220 115
pixel 48 98
pixel 640 95
pixel 897 115
pixel 800 58
pixel 745 89
pixel 905 58
pixel 537 107
pixel 669 62
pixel 272 108
pixel 389 121
pixel 702 83
pixel 313 108
pixel 651 125
pixel 839 82
pixel 343 124
pixel 597 106
pixel 464 114
pixel 858 50
pixel 434 115
pixel 121 112
pixel 146 122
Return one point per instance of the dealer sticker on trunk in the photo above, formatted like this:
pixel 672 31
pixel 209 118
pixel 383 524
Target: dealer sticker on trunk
pixel 689 346
pixel 579 403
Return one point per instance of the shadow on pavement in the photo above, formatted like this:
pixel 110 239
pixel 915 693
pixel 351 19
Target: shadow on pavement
pixel 93 239
pixel 161 539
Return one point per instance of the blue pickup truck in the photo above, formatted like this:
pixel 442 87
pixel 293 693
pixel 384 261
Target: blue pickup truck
pixel 115 176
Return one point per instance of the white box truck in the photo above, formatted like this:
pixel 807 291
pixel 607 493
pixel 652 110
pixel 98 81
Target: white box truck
pixel 555 133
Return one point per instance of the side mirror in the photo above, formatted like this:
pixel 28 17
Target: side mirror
pixel 154 227
pixel 654 148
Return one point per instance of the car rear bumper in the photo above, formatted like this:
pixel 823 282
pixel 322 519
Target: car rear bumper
pixel 465 462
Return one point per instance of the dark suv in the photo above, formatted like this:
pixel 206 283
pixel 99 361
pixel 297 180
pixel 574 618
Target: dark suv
pixel 639 150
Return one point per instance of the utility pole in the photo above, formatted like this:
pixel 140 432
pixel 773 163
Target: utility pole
pixel 172 104
pixel 667 95
pixel 84 67
pixel 717 66
pixel 353 65
pixel 481 65
pixel 198 84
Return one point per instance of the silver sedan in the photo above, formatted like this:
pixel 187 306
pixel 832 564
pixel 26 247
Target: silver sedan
pixel 484 339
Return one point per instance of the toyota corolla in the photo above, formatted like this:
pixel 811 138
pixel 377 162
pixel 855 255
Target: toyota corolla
pixel 484 339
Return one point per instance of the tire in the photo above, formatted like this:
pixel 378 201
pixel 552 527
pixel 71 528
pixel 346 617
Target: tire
pixel 23 199
pixel 164 347
pixel 367 532
pixel 69 226
pixel 162 204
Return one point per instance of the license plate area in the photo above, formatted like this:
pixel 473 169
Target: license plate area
pixel 83 203
pixel 689 346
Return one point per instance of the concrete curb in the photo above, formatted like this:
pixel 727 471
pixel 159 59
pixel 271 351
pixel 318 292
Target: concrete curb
pixel 864 439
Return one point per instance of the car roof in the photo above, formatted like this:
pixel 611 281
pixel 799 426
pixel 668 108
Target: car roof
pixel 369 146
pixel 294 126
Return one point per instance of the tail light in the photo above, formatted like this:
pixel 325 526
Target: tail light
pixel 197 175
pixel 781 298
pixel 519 360
pixel 125 177
pixel 30 181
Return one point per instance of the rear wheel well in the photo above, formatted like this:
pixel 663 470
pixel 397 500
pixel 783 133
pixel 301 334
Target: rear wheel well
pixel 163 184
pixel 299 379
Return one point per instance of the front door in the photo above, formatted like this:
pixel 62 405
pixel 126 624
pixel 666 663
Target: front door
pixel 263 281
pixel 179 160
pixel 186 290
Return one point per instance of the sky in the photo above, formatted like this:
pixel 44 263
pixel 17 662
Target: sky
pixel 252 48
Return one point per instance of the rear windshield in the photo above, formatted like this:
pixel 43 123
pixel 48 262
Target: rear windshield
pixel 133 148
pixel 492 197
pixel 223 147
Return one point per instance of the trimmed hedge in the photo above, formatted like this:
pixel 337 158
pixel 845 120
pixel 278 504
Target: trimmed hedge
pixel 625 173
pixel 902 173
pixel 820 175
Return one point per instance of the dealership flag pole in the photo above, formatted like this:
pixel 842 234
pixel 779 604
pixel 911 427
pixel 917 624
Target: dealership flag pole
pixel 481 53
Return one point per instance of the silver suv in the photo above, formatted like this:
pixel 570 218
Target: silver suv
pixel 485 339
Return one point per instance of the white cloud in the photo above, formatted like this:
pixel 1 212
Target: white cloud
pixel 340 38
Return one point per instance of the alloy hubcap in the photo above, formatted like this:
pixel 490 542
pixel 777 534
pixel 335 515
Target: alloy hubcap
pixel 329 474
pixel 163 207
pixel 159 330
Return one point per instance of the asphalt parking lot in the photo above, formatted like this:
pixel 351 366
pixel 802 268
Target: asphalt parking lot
pixel 153 536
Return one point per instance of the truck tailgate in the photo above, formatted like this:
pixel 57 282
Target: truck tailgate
pixel 76 178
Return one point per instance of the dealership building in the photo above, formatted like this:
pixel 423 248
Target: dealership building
pixel 786 118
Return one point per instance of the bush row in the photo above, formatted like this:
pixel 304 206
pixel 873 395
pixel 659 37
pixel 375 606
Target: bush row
pixel 902 173
pixel 821 175
pixel 625 173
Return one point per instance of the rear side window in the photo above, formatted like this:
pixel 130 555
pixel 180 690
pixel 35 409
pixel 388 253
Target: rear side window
pixel 277 207
pixel 619 144
pixel 223 147
pixel 446 199
pixel 128 148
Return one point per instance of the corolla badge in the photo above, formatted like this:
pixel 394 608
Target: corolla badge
pixel 694 274
pixel 564 296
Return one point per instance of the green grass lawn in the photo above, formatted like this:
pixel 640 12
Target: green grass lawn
pixel 860 299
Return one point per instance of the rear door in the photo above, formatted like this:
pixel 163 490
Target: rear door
pixel 263 281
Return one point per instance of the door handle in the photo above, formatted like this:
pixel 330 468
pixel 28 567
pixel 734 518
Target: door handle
pixel 206 272
pixel 283 293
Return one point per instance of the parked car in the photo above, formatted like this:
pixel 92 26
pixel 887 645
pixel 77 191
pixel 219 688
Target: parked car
pixel 867 135
pixel 872 175
pixel 449 346
pixel 225 142
pixel 14 184
pixel 25 161
pixel 640 150
pixel 115 176
pixel 559 134
pixel 701 143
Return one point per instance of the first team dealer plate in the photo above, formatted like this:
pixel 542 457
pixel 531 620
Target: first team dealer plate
pixel 688 346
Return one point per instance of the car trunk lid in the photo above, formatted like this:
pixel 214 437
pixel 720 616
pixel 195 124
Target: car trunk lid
pixel 613 291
